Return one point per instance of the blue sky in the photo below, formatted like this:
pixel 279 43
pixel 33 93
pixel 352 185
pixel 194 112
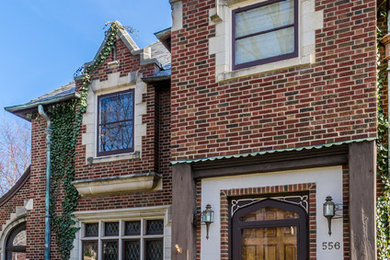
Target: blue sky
pixel 43 42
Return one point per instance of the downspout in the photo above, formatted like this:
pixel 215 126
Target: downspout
pixel 41 111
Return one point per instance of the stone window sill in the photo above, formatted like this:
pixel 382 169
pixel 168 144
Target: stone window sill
pixel 265 68
pixel 114 157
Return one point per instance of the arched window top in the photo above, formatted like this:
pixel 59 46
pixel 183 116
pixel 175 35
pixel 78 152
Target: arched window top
pixel 270 227
pixel 16 243
pixel 270 209
pixel 18 236
pixel 20 239
pixel 269 213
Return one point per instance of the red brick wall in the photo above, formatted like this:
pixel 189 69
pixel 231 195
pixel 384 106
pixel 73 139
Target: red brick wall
pixel 157 160
pixel 36 217
pixel 155 145
pixel 17 200
pixel 155 157
pixel 329 101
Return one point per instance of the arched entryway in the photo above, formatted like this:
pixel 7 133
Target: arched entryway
pixel 15 247
pixel 270 230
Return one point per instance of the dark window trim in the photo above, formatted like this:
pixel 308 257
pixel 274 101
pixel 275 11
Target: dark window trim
pixel 302 226
pixel 119 151
pixel 270 59
pixel 10 248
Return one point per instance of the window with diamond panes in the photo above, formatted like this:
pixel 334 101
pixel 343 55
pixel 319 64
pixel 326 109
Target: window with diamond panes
pixel 154 227
pixel 110 250
pixel 124 240
pixel 111 229
pixel 132 250
pixel 91 229
pixel 132 228
pixel 154 249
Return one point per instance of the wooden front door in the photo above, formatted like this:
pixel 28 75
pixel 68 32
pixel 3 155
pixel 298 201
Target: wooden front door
pixel 270 230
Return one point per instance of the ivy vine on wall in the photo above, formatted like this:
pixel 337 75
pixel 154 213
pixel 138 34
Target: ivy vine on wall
pixel 383 201
pixel 66 124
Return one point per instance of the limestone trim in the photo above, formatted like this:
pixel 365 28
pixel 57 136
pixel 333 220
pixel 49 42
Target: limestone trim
pixel 121 215
pixel 177 15
pixel 114 83
pixel 120 184
pixel 145 53
pixel 13 222
pixel 309 21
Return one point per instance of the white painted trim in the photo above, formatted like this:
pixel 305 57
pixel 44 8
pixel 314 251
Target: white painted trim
pixel 329 181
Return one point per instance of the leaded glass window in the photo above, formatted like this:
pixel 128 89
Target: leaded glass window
pixel 132 228
pixel 91 229
pixel 123 239
pixel 111 229
pixel 132 250
pixel 116 123
pixel 265 32
pixel 154 227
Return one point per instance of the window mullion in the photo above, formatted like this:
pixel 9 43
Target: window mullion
pixel 142 242
pixel 100 244
pixel 120 253
pixel 264 32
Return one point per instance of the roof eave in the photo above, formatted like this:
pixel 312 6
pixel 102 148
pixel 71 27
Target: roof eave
pixel 22 110
pixel 164 37
pixel 156 79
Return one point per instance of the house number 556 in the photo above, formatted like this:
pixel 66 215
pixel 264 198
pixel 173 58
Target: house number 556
pixel 330 245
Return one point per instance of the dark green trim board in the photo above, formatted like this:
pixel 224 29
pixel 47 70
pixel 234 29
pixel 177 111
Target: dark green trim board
pixel 233 156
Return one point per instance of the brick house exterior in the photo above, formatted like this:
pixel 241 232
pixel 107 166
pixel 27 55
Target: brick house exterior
pixel 274 134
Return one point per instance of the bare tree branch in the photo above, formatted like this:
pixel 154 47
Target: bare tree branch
pixel 15 143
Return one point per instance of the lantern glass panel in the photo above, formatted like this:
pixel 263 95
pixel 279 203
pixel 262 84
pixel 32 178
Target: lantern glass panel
pixel 329 210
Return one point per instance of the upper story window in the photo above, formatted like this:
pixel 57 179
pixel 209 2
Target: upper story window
pixel 116 123
pixel 265 32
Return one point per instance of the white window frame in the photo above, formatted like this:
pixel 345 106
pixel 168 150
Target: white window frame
pixel 121 216
pixel 121 237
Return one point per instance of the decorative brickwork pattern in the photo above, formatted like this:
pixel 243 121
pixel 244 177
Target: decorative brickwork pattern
pixel 332 100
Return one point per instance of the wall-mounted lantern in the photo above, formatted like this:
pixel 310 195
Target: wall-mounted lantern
pixel 208 218
pixel 329 212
